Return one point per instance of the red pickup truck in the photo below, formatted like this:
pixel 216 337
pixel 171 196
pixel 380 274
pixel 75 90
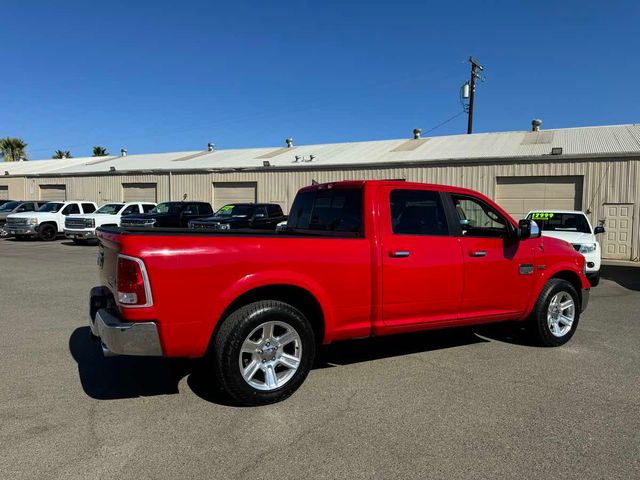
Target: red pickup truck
pixel 357 259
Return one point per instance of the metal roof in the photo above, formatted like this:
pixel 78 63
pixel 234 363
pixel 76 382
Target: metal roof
pixel 614 140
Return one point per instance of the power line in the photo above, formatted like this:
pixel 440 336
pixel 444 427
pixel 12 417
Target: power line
pixel 446 121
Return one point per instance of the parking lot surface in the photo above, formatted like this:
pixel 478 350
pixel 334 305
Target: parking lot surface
pixel 466 403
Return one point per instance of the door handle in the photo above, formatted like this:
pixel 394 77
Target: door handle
pixel 478 253
pixel 400 253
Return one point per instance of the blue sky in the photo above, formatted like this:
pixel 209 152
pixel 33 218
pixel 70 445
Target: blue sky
pixel 172 76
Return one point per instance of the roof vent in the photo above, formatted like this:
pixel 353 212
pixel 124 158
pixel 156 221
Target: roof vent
pixel 535 124
pixel 123 152
pixel 210 147
pixel 289 142
pixel 6 172
pixel 417 133
pixel 112 168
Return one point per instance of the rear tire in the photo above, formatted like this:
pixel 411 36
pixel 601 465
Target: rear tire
pixel 263 352
pixel 47 232
pixel 556 314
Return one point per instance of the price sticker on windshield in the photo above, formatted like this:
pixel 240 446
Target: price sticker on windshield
pixel 226 208
pixel 541 215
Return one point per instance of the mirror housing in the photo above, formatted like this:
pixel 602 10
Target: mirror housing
pixel 527 229
pixel 598 230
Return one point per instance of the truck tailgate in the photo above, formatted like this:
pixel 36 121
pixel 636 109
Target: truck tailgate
pixel 108 250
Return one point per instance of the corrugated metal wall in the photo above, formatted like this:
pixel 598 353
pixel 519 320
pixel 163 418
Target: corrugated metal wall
pixel 605 181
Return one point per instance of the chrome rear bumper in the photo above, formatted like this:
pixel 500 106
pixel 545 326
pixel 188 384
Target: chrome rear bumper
pixel 122 338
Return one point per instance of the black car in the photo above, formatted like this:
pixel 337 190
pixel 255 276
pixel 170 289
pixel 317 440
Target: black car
pixel 169 214
pixel 261 216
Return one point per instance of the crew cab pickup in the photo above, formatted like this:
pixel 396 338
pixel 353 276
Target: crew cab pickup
pixel 357 259
pixel 258 216
pixel 80 228
pixel 47 222
pixel 169 214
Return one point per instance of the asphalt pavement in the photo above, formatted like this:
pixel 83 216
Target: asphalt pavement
pixel 464 403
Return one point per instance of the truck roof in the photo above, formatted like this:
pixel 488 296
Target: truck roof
pixel 396 183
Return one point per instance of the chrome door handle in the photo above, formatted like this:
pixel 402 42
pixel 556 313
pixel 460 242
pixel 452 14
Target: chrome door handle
pixel 400 253
pixel 478 253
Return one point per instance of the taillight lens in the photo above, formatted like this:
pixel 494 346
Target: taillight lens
pixel 130 282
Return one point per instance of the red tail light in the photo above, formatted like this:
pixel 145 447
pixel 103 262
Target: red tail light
pixel 132 283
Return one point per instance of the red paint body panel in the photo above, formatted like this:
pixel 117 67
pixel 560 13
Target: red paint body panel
pixel 361 289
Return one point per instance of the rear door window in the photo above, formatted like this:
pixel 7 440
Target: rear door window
pixel 147 207
pixel 88 207
pixel 204 209
pixel 417 212
pixel 334 210
pixel 274 211
pixel 131 209
pixel 71 209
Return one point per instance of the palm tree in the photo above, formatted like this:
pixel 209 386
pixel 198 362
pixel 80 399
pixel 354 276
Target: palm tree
pixel 100 152
pixel 62 154
pixel 12 149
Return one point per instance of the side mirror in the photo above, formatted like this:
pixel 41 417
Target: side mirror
pixel 527 229
pixel 598 230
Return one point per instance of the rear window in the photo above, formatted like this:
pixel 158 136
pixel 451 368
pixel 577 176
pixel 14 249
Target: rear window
pixel 335 210
pixel 274 211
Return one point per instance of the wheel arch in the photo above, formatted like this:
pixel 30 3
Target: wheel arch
pixel 297 296
pixel 573 278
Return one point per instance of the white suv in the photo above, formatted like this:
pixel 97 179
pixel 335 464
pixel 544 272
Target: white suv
pixel 47 222
pixel 575 228
pixel 81 228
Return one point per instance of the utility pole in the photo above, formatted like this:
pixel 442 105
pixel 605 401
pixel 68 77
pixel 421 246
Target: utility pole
pixel 475 66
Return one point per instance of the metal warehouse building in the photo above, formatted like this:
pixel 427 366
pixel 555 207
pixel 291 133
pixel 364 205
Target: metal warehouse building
pixel 596 169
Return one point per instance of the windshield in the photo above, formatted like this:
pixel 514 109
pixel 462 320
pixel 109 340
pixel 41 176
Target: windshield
pixel 167 207
pixel 560 222
pixel 7 207
pixel 240 211
pixel 110 208
pixel 51 207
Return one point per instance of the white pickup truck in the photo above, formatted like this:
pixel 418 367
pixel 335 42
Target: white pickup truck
pixel 81 228
pixel 574 227
pixel 47 222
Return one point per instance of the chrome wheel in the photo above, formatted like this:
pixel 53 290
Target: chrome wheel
pixel 270 355
pixel 561 314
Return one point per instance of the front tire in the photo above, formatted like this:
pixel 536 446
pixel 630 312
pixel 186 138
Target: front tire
pixel 263 352
pixel 594 279
pixel 47 232
pixel 555 316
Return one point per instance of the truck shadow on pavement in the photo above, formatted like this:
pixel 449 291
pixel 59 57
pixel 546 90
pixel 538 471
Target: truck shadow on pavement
pixel 112 378
pixel 627 277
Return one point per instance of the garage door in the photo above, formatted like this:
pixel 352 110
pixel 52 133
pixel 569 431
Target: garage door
pixel 519 195
pixel 224 193
pixel 50 193
pixel 617 236
pixel 139 192
pixel 4 192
